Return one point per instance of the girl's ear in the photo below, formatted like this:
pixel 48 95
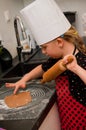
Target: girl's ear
pixel 60 42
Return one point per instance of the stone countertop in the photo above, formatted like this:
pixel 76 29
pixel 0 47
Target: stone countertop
pixel 31 116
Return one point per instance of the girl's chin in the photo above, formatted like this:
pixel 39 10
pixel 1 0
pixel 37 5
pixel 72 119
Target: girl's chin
pixel 54 57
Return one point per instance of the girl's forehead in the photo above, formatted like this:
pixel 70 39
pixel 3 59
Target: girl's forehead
pixel 48 43
pixel 43 45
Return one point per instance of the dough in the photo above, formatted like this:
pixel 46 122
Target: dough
pixel 18 100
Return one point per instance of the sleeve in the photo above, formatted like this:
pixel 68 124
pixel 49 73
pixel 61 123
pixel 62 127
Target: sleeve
pixel 49 63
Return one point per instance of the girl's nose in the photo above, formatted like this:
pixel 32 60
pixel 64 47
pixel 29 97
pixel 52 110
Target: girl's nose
pixel 43 51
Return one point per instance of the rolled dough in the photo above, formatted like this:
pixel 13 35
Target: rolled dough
pixel 17 100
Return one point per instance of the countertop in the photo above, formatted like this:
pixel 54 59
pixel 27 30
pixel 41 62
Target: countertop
pixel 26 121
pixel 31 116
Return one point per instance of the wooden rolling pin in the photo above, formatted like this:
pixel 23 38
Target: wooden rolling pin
pixel 55 70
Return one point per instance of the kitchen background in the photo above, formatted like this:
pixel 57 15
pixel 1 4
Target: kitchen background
pixel 10 8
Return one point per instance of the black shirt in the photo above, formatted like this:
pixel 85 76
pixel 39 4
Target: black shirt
pixel 76 86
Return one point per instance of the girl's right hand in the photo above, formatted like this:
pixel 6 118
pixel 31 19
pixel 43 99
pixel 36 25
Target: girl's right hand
pixel 72 65
pixel 16 86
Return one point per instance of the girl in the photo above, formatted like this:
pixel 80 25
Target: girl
pixel 58 39
pixel 70 85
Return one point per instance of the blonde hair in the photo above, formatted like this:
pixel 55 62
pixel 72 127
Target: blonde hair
pixel 72 36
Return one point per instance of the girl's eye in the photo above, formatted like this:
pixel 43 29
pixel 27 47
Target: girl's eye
pixel 43 47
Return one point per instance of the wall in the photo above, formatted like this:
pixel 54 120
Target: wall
pixel 14 6
pixel 7 28
pixel 74 5
pixel 26 2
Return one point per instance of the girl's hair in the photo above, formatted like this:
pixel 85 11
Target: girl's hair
pixel 72 36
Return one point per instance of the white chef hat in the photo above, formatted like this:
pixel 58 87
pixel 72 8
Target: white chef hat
pixel 45 20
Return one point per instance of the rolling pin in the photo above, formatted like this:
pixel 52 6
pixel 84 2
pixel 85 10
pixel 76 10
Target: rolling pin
pixel 58 68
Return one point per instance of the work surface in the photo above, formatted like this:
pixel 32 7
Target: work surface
pixel 30 116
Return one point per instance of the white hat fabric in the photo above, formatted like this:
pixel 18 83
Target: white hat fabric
pixel 46 20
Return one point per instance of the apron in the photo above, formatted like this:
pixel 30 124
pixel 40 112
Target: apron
pixel 72 113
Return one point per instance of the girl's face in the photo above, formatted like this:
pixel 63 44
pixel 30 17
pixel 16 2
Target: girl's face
pixel 51 49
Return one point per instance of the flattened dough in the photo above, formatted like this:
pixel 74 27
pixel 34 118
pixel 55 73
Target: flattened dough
pixel 17 100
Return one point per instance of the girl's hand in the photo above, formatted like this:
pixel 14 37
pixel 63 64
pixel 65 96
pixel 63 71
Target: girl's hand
pixel 17 85
pixel 75 68
pixel 70 65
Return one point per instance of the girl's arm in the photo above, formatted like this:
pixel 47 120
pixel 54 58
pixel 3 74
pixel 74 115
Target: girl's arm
pixel 35 73
pixel 80 72
pixel 74 67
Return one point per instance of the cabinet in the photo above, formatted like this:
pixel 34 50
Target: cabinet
pixel 52 121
